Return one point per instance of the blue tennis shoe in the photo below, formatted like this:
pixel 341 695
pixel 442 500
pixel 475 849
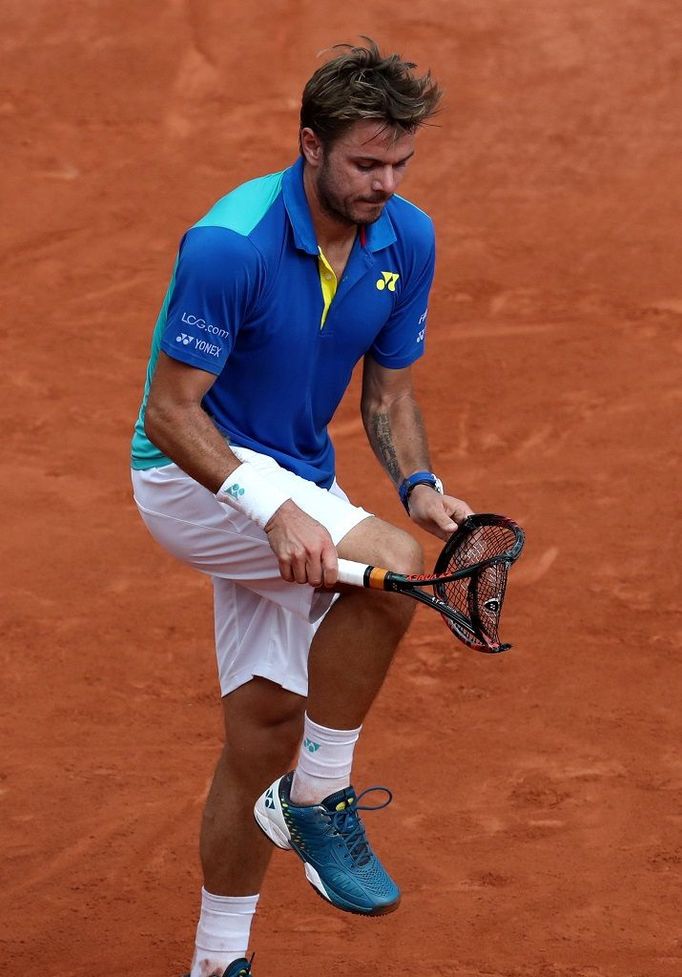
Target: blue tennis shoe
pixel 238 968
pixel 330 840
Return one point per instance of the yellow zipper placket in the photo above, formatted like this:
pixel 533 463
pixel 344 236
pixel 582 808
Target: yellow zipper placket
pixel 328 284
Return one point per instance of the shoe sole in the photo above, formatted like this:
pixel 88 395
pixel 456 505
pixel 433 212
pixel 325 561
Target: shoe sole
pixel 271 822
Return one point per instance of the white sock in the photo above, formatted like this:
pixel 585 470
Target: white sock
pixel 325 758
pixel 222 932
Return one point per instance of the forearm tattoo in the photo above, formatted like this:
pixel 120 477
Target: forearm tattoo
pixel 399 430
pixel 382 442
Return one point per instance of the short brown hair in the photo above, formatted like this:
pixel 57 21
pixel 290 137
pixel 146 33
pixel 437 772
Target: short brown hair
pixel 363 84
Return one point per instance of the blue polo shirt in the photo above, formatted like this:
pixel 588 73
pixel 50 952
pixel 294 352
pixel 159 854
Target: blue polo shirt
pixel 246 302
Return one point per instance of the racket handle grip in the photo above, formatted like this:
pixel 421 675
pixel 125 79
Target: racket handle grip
pixel 352 573
pixel 365 575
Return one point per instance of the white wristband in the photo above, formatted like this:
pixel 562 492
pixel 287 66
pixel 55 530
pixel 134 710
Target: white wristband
pixel 246 490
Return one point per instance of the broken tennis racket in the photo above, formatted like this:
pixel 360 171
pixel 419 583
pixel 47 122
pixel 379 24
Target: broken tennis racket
pixel 468 583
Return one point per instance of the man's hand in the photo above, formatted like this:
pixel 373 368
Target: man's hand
pixel 303 547
pixel 437 514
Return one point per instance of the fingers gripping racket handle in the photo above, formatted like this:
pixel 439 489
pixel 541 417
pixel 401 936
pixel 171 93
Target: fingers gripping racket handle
pixel 365 575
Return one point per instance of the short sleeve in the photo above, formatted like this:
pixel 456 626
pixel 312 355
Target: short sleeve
pixel 401 341
pixel 217 280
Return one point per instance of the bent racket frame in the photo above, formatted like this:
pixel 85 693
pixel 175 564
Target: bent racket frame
pixel 468 583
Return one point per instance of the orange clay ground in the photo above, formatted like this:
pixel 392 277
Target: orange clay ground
pixel 536 827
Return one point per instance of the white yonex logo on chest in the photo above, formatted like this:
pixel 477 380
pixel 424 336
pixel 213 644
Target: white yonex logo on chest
pixel 388 280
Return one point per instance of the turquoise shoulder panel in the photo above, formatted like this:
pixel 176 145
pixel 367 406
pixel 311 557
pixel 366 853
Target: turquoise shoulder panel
pixel 243 208
pixel 144 454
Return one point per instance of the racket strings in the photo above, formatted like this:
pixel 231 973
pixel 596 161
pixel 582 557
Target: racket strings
pixel 479 597
pixel 482 543
pixel 486 596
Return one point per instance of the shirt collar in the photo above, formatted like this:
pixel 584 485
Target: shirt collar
pixel 378 235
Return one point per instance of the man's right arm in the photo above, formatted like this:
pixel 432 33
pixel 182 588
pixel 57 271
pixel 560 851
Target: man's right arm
pixel 176 423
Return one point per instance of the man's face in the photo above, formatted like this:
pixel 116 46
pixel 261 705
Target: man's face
pixel 362 170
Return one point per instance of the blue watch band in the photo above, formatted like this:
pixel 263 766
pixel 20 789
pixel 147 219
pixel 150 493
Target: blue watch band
pixel 418 478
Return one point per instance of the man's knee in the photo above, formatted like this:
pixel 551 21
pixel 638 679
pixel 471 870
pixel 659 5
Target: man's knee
pixel 403 554
pixel 381 544
pixel 263 727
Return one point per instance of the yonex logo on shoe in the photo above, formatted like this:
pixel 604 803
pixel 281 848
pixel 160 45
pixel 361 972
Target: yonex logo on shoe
pixel 310 746
pixel 269 799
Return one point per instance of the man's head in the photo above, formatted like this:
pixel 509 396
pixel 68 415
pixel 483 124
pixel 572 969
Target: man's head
pixel 359 115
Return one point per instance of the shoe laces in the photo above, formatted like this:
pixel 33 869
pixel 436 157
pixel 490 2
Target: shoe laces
pixel 347 823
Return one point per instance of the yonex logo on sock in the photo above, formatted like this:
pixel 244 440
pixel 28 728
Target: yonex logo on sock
pixel 310 746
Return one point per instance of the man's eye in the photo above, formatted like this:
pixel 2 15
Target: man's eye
pixel 364 166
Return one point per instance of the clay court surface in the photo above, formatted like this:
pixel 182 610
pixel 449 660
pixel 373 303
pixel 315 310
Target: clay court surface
pixel 536 826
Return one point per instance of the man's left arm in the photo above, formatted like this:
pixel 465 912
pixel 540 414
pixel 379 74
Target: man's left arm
pixel 395 430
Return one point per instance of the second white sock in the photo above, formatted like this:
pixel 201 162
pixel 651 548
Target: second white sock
pixel 222 932
pixel 325 760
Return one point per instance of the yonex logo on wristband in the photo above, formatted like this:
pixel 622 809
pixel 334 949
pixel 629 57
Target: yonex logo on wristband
pixel 235 490
pixel 252 494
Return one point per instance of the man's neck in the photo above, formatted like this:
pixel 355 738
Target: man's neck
pixel 332 232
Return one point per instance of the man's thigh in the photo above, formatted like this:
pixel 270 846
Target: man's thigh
pixel 381 544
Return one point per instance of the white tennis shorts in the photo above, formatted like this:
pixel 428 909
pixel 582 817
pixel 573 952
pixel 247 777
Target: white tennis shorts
pixel 263 625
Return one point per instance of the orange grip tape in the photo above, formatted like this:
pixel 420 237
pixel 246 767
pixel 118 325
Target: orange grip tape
pixel 377 577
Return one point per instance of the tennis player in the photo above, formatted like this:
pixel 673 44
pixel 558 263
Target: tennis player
pixel 275 295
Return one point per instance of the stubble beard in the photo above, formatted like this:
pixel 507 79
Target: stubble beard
pixel 333 204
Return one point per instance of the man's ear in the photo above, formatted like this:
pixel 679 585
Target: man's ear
pixel 311 147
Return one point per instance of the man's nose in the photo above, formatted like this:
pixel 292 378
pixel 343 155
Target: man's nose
pixel 384 180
